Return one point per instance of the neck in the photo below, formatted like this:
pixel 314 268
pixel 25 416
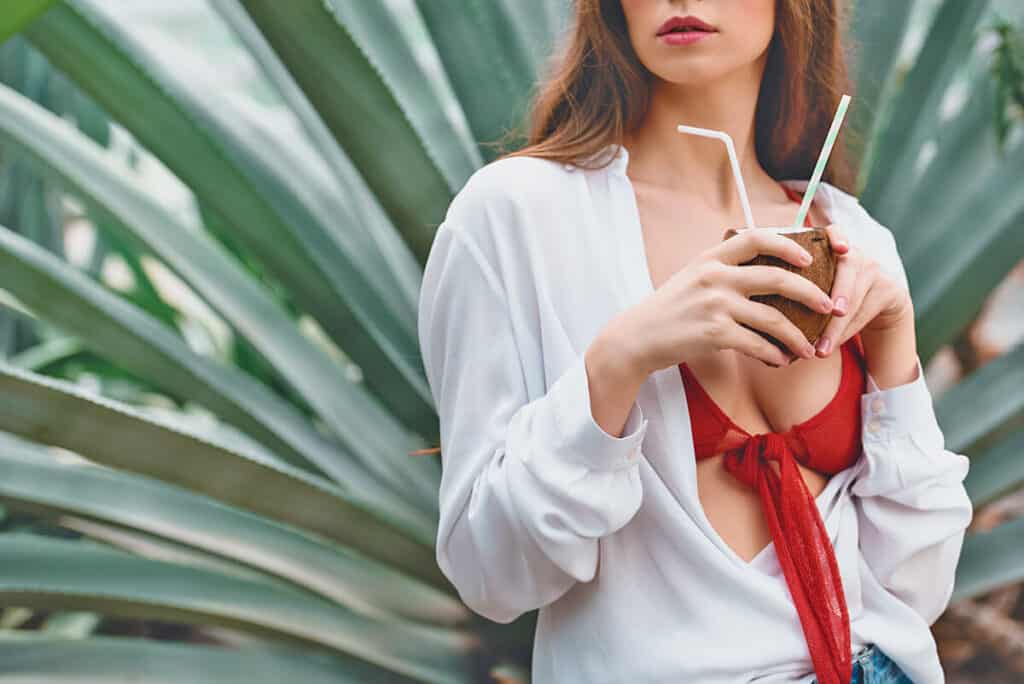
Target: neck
pixel 695 164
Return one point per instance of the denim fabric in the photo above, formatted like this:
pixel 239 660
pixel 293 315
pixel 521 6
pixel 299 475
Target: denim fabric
pixel 872 666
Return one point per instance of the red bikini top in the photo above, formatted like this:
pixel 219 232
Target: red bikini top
pixel 829 442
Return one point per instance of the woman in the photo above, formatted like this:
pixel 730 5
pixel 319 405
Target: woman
pixel 620 448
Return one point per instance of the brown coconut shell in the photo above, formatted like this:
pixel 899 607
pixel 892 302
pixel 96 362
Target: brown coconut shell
pixel 821 271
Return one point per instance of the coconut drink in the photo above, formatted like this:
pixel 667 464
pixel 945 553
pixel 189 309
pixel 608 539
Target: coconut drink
pixel 821 271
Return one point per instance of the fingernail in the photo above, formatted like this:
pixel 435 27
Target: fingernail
pixel 841 304
pixel 824 345
pixel 805 257
pixel 826 304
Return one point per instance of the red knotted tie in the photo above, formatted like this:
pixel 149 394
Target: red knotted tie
pixel 803 548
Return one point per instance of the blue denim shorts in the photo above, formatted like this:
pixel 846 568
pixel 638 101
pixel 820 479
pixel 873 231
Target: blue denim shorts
pixel 872 666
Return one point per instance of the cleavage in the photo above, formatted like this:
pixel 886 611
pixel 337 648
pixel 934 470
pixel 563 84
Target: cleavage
pixel 755 404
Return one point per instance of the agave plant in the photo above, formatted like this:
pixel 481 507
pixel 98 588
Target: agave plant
pixel 259 487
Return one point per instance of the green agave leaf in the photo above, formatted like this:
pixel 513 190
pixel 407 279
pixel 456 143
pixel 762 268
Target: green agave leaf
pixel 975 246
pixel 996 472
pixel 348 196
pixel 491 51
pixel 121 332
pixel 47 573
pixel 146 545
pixel 540 24
pixel 390 35
pixel 40 659
pixel 878 29
pixel 27 204
pixel 72 624
pixel 916 109
pixel 229 473
pixel 990 560
pixel 34 481
pixel 985 404
pixel 31 659
pixel 277 208
pixel 364 428
pixel 46 353
pixel 23 68
pixel 965 152
pixel 18 14
pixel 13 618
pixel 143 293
pixel 376 96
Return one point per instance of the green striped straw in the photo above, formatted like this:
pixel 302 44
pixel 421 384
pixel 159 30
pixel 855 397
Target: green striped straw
pixel 819 168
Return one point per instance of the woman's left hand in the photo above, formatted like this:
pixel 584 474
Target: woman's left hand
pixel 863 296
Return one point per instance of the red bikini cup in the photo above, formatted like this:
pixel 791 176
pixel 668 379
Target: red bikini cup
pixel 829 442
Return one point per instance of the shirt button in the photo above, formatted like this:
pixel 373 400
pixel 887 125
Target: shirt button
pixel 568 167
pixel 874 426
pixel 877 404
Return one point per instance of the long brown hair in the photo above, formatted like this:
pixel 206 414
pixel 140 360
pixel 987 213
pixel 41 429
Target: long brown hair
pixel 597 90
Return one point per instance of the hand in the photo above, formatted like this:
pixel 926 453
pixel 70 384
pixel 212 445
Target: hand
pixel 701 307
pixel 866 299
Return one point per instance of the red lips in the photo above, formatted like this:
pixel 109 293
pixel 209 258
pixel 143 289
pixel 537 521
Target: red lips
pixel 688 22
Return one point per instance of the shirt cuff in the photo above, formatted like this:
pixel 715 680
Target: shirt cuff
pixel 586 439
pixel 902 439
pixel 905 409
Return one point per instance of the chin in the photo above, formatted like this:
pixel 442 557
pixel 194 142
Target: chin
pixel 692 75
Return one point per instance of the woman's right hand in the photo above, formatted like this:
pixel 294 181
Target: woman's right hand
pixel 700 308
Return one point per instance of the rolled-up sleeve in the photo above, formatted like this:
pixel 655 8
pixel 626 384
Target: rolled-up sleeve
pixel 529 484
pixel 912 506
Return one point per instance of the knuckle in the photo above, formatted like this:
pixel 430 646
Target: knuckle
pixel 756 238
pixel 707 274
pixel 764 348
pixel 780 278
pixel 778 320
pixel 714 331
pixel 714 300
pixel 715 303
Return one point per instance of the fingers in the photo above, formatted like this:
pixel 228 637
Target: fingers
pixel 770 320
pixel 837 238
pixel 746 244
pixel 765 279
pixel 754 345
pixel 832 335
pixel 847 268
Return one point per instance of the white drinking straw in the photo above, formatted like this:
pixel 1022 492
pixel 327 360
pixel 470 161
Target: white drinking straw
pixel 819 168
pixel 724 137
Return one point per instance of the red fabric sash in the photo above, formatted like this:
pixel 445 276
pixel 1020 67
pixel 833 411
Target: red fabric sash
pixel 803 548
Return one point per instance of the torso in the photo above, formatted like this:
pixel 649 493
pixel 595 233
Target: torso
pixel 745 388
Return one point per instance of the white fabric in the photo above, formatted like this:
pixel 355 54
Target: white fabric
pixel 541 508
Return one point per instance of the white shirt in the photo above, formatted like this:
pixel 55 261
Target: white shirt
pixel 541 508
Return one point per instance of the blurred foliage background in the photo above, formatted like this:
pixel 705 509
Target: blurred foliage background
pixel 213 219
